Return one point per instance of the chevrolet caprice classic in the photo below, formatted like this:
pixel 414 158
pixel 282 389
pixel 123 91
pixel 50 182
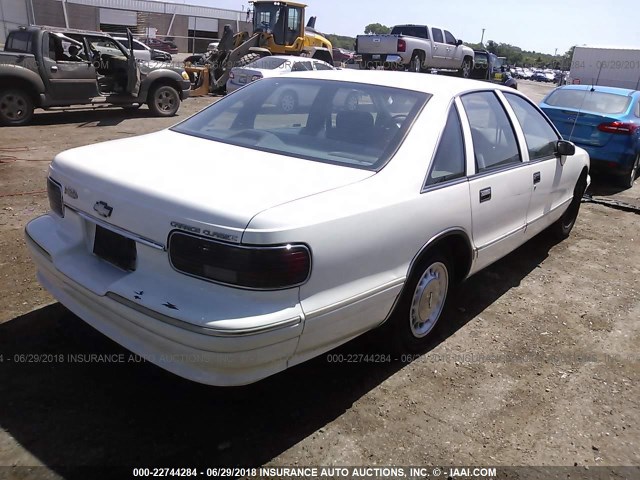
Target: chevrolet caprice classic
pixel 246 240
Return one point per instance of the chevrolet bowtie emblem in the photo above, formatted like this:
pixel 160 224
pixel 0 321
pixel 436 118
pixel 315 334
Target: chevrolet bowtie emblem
pixel 103 209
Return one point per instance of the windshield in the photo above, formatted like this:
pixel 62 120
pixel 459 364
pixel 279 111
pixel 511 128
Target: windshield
pixel 598 102
pixel 269 63
pixel 350 124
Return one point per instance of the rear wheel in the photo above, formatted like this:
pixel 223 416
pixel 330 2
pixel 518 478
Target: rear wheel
pixel 422 302
pixel 416 63
pixel 563 226
pixel 16 107
pixel 629 179
pixel 164 101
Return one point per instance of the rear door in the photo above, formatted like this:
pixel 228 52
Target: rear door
pixel 69 74
pixel 454 52
pixel 438 49
pixel 500 187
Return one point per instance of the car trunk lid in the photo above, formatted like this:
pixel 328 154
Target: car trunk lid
pixel 580 127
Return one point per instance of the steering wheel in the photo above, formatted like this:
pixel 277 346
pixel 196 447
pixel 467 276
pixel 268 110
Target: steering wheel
pixel 257 135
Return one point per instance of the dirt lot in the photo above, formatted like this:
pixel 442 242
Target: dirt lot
pixel 536 365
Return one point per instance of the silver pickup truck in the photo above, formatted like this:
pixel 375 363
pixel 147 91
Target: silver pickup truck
pixel 417 48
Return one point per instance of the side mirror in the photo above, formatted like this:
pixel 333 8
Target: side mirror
pixel 565 149
pixel 458 43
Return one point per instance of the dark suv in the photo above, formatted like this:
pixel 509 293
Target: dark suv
pixel 43 67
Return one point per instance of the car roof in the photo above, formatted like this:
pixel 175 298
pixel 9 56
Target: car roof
pixel 419 82
pixel 601 88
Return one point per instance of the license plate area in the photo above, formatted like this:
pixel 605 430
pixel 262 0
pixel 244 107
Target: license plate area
pixel 115 249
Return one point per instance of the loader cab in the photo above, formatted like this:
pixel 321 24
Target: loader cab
pixel 283 20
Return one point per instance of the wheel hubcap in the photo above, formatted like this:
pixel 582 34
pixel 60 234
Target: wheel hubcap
pixel 13 107
pixel 428 299
pixel 466 69
pixel 165 101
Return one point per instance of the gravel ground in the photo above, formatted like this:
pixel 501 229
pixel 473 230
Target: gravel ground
pixel 537 362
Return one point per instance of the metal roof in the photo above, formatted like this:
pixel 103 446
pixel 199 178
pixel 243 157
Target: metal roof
pixel 153 6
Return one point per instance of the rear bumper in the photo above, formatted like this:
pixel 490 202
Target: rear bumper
pixel 610 161
pixel 204 354
pixel 388 62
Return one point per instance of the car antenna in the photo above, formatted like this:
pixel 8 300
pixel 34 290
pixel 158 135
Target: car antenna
pixel 597 79
pixel 575 120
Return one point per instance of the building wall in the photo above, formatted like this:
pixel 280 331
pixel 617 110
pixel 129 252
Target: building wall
pixel 13 13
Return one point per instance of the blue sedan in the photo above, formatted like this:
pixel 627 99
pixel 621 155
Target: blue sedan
pixel 605 121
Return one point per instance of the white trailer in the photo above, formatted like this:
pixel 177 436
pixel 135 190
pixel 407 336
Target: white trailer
pixel 609 66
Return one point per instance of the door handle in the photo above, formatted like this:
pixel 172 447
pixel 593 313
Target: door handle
pixel 485 195
pixel 54 68
pixel 537 178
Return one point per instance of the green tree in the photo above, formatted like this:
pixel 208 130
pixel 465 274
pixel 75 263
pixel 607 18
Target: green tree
pixel 377 29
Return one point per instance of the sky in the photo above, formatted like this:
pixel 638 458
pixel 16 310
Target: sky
pixel 540 25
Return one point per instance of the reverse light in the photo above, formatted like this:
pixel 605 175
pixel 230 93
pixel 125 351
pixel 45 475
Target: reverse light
pixel 252 267
pixel 54 192
pixel 402 45
pixel 620 128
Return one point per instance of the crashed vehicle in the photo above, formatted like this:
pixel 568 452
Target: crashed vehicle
pixel 44 67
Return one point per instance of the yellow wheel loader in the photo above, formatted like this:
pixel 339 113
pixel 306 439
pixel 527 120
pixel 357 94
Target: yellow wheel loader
pixel 278 29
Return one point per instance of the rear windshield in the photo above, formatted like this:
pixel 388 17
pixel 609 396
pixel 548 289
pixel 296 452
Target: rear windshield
pixel 597 102
pixel 350 124
pixel 19 42
pixel 410 31
pixel 268 63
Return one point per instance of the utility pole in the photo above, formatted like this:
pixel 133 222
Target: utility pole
pixel 482 39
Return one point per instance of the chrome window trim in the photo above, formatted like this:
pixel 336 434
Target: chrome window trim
pixel 120 231
pixel 246 247
pixel 445 184
pixel 209 331
pixel 504 168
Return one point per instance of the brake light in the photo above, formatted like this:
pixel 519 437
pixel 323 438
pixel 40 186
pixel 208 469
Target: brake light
pixel 620 128
pixel 253 267
pixel 402 45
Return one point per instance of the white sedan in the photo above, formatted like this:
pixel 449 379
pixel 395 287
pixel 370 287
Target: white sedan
pixel 283 235
pixel 274 66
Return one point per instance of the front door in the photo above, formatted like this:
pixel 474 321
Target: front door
pixel 68 72
pixel 500 189
pixel 438 49
pixel 133 71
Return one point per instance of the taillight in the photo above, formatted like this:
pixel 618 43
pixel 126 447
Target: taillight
pixel 402 45
pixel 252 267
pixel 256 77
pixel 54 191
pixel 620 128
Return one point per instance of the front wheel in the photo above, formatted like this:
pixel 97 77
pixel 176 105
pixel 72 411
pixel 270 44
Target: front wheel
pixel 16 107
pixel 164 101
pixel 563 226
pixel 422 303
pixel 465 71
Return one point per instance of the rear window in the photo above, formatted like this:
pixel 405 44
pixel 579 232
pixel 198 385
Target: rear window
pixel 410 31
pixel 350 124
pixel 269 63
pixel 19 42
pixel 597 102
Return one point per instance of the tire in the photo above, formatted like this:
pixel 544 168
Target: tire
pixel 415 65
pixel 247 59
pixel 16 107
pixel 629 179
pixel 465 71
pixel 288 101
pixel 563 226
pixel 412 319
pixel 164 101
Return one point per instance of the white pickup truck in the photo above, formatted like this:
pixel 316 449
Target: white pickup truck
pixel 417 48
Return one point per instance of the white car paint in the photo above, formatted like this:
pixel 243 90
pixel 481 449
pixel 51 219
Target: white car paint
pixel 364 228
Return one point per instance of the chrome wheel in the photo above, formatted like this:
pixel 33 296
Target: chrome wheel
pixel 428 299
pixel 466 69
pixel 415 64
